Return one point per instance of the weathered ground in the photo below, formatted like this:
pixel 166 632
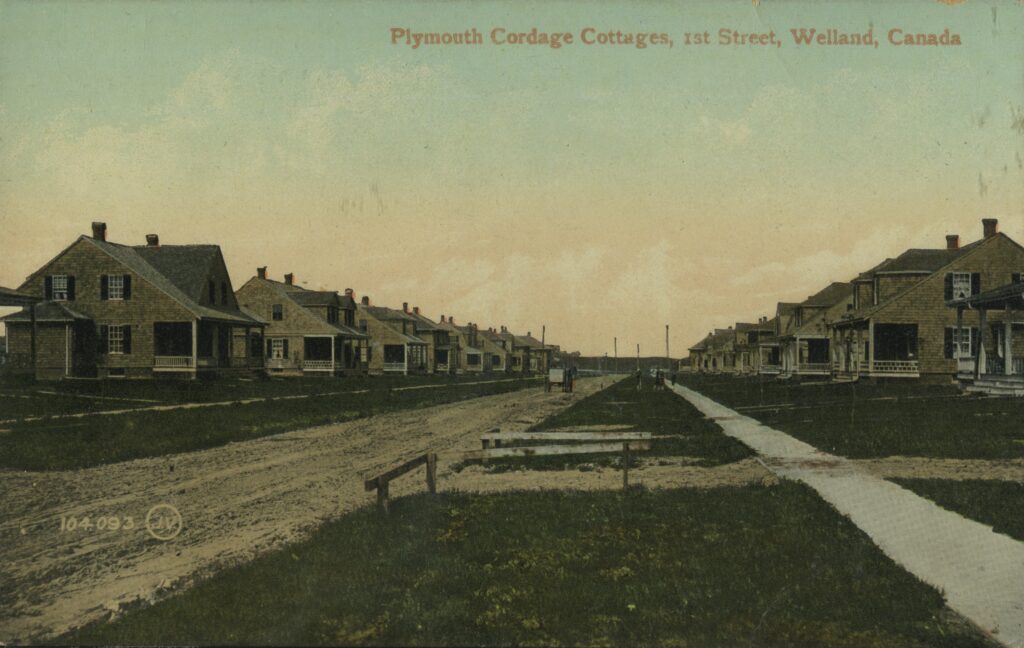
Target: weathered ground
pixel 235 501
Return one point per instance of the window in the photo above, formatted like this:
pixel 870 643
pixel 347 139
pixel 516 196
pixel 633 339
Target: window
pixel 255 345
pixel 394 353
pixel 213 292
pixel 362 326
pixel 115 287
pixel 59 289
pixel 223 293
pixel 332 314
pixel 278 348
pixel 277 312
pixel 495 360
pixel 960 342
pixel 473 359
pixel 119 339
pixel 961 285
pixel 441 356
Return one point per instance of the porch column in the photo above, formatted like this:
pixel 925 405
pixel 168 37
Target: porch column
pixel 195 345
pixel 333 356
pixel 405 371
pixel 1008 343
pixel 981 369
pixel 33 333
pixel 871 346
pixel 959 327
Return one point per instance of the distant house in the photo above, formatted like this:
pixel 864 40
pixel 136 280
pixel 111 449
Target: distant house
pixel 805 346
pixel 722 350
pixel 394 346
pixel 900 325
pixel 496 353
pixel 308 332
pixel 438 339
pixel 518 355
pixel 536 355
pixel 114 310
pixel 769 350
pixel 747 344
pixel 700 357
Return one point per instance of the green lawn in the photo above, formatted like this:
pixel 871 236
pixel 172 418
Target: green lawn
pixel 757 566
pixel 861 420
pixel 999 504
pixel 661 413
pixel 60 444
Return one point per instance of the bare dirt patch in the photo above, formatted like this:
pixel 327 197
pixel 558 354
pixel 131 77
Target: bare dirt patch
pixel 235 501
pixel 953 469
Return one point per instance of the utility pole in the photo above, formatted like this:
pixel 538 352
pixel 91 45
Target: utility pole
pixel 615 369
pixel 638 357
pixel 668 358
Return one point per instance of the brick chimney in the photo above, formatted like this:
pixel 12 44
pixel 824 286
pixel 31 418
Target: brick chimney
pixel 990 226
pixel 152 240
pixel 442 319
pixel 99 231
pixel 366 300
pixel 952 241
pixel 451 320
pixel 416 310
pixel 349 292
pixel 405 307
pixel 289 279
pixel 261 272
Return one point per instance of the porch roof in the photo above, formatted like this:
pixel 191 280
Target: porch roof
pixel 46 311
pixel 1010 295
pixel 11 297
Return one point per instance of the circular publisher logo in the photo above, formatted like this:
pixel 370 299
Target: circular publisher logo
pixel 163 522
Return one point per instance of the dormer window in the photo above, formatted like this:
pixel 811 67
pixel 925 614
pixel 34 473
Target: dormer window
pixel 213 292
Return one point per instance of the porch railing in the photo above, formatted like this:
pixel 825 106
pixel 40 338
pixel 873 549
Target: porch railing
pixel 895 366
pixel 815 366
pixel 172 362
pixel 394 366
pixel 317 365
pixel 281 363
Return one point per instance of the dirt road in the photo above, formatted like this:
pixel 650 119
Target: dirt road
pixel 235 502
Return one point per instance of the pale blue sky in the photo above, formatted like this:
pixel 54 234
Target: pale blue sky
pixel 518 185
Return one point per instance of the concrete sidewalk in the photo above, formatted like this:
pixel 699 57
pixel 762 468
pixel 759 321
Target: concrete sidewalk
pixel 980 572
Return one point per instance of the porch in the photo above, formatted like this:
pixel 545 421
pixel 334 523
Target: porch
pixel 201 345
pixel 1000 372
pixel 405 358
pixel 877 350
pixel 770 360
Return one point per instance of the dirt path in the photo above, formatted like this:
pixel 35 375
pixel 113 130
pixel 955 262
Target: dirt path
pixel 235 502
pixel 980 572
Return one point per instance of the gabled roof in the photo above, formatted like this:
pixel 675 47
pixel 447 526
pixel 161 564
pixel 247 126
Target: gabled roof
pixel 829 296
pixel 385 313
pixel 528 341
pixel 424 324
pixel 702 345
pixel 918 259
pixel 306 298
pixel 179 271
pixel 47 311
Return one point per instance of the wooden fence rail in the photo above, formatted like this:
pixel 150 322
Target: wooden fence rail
pixel 381 482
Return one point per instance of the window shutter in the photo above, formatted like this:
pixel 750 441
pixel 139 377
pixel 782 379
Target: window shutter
pixel 1015 278
pixel 286 348
pixel 49 287
pixel 947 344
pixel 127 286
pixel 974 341
pixel 948 290
pixel 101 340
pixel 71 287
pixel 269 349
pixel 975 283
pixel 104 287
pixel 126 331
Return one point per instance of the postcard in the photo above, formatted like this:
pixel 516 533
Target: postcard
pixel 451 323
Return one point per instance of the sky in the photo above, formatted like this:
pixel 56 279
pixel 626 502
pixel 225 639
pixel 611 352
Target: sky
pixel 600 191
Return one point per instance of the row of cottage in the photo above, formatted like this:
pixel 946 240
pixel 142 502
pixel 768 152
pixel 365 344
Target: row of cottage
pixel 102 309
pixel 949 312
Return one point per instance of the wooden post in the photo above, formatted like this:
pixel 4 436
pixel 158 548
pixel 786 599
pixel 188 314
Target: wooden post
pixel 382 496
pixel 33 333
pixel 958 337
pixel 1008 343
pixel 981 368
pixel 871 346
pixel 432 473
pixel 625 466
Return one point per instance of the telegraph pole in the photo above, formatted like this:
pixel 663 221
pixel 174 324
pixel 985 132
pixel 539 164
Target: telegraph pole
pixel 668 358
pixel 638 357
pixel 616 368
